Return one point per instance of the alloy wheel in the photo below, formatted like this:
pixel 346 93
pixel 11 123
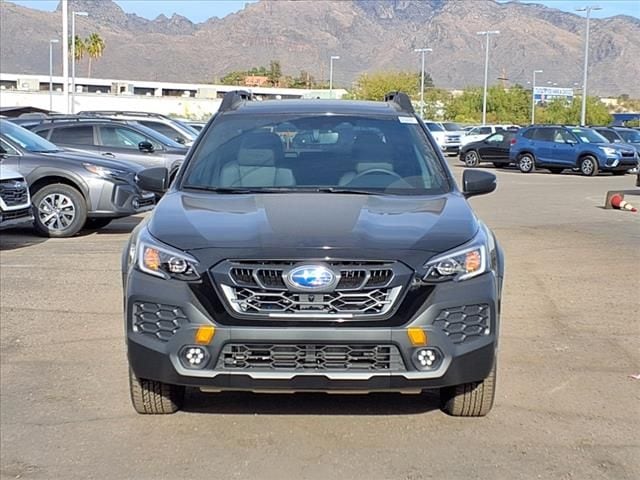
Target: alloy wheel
pixel 56 211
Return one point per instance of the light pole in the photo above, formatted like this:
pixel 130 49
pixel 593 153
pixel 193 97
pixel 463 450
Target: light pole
pixel 73 57
pixel 333 57
pixel 422 51
pixel 583 112
pixel 65 54
pixel 533 97
pixel 488 33
pixel 51 42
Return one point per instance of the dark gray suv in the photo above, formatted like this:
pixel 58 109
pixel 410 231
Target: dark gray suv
pixel 314 246
pixel 70 190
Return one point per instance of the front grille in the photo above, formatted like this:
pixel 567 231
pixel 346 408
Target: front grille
pixel 628 153
pixel 263 288
pixel 14 192
pixel 16 214
pixel 464 323
pixel 310 357
pixel 157 320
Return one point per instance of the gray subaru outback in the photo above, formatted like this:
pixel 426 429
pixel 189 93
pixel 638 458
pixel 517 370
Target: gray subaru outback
pixel 314 246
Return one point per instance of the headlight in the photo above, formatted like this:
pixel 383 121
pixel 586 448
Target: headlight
pixel 461 264
pixel 608 150
pixel 103 171
pixel 155 258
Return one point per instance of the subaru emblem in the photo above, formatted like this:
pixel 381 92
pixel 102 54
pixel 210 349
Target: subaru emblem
pixel 311 277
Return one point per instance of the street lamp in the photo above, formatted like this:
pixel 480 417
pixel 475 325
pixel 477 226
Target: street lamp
pixel 333 57
pixel 73 56
pixel 422 51
pixel 488 33
pixel 533 97
pixel 583 113
pixel 51 42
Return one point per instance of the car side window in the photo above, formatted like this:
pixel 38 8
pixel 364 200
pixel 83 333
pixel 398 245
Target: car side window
pixel 496 138
pixel 484 131
pixel 609 135
pixel 121 137
pixel 7 149
pixel 529 133
pixel 165 130
pixel 545 134
pixel 76 135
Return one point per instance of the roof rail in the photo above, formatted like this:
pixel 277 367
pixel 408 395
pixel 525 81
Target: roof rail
pixel 233 99
pixel 98 113
pixel 73 118
pixel 401 101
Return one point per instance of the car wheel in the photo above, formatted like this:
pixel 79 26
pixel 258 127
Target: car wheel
pixel 556 170
pixel 526 163
pixel 589 166
pixel 152 397
pixel 473 399
pixel 500 165
pixel 97 223
pixel 471 158
pixel 60 211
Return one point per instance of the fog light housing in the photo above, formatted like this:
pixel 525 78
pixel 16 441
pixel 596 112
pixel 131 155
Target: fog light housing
pixel 428 358
pixel 194 357
pixel 135 203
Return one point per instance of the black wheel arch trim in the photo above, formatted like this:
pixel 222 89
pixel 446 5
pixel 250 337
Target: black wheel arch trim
pixel 43 173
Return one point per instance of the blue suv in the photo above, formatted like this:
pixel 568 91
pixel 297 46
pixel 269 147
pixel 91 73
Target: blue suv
pixel 559 147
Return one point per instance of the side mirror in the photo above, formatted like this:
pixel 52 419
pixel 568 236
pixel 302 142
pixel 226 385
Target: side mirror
pixel 154 180
pixel 180 140
pixel 145 146
pixel 570 142
pixel 477 182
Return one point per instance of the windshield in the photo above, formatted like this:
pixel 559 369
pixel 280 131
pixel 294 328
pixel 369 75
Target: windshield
pixel 317 153
pixel 26 139
pixel 630 136
pixel 434 127
pixel 452 127
pixel 586 135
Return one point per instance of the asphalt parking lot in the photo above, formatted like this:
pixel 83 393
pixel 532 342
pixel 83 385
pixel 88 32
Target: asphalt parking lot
pixel 566 408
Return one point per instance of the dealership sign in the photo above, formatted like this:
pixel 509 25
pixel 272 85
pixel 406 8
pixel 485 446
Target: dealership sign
pixel 546 94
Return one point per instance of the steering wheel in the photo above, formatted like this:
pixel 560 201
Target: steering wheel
pixel 377 171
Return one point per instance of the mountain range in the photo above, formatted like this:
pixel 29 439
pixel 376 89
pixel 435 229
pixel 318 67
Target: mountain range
pixel 368 35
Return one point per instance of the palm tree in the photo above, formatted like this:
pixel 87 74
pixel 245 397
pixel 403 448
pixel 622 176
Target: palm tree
pixel 81 48
pixel 94 46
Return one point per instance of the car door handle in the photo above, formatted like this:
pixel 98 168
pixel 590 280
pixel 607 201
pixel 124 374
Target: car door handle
pixel 108 154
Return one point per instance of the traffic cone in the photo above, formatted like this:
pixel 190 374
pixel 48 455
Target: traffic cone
pixel 617 201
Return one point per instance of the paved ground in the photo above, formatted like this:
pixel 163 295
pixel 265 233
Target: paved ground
pixel 566 407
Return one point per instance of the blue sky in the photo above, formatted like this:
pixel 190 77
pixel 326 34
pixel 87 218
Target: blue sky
pixel 201 10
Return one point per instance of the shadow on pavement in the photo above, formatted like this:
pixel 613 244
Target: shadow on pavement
pixel 310 403
pixel 15 238
pixel 120 226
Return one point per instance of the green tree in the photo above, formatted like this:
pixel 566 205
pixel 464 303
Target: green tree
pixel 376 85
pixel 563 112
pixel 80 48
pixel 233 78
pixel 94 47
pixel 275 72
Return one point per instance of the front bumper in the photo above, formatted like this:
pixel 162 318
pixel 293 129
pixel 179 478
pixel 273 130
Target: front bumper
pixel 120 200
pixel 16 217
pixel 156 358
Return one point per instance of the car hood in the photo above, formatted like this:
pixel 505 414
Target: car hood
pixel 80 157
pixel 617 146
pixel 314 221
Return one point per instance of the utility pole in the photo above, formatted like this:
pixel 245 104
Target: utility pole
pixel 488 34
pixel 422 51
pixel 65 53
pixel 583 112
pixel 333 57
pixel 51 42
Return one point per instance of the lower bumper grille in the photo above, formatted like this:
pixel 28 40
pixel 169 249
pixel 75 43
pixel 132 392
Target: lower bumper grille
pixel 16 214
pixel 464 323
pixel 158 320
pixel 310 357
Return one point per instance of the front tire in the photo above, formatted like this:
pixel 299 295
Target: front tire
pixel 473 399
pixel 526 163
pixel 589 166
pixel 471 158
pixel 153 397
pixel 60 211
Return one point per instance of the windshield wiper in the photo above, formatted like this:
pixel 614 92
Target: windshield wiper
pixel 239 190
pixel 352 191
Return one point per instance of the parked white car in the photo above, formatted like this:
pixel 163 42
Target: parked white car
pixel 448 140
pixel 481 132
pixel 15 201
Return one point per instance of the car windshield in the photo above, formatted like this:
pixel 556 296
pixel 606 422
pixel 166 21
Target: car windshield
pixel 434 127
pixel 452 127
pixel 586 135
pixel 26 139
pixel 316 153
pixel 630 136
